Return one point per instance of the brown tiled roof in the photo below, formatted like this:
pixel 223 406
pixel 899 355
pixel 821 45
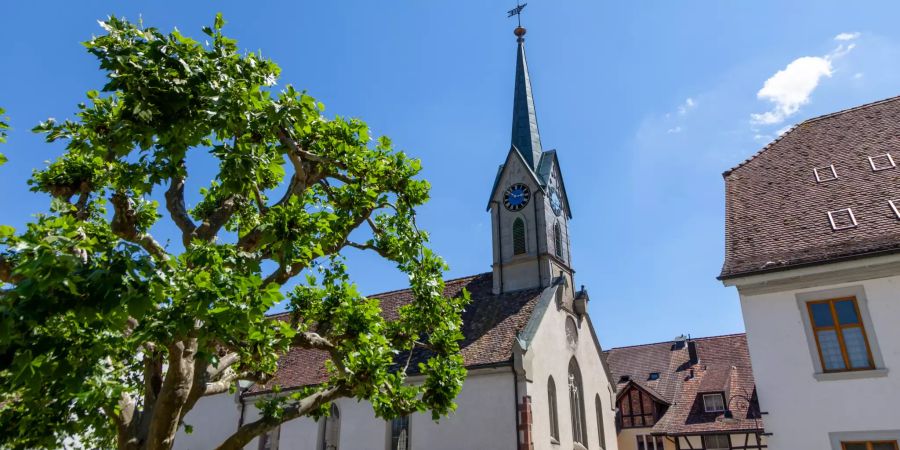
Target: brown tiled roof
pixel 490 325
pixel 777 213
pixel 722 365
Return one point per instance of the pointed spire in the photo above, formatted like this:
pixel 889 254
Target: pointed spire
pixel 525 135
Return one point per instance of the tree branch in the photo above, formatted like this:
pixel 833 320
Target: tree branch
pixel 247 432
pixel 173 396
pixel 6 271
pixel 214 222
pixel 177 210
pixel 124 225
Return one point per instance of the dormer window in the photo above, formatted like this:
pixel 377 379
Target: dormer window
pixel 713 403
pixel 624 379
pixel 882 162
pixel 842 219
pixel 653 376
pixel 826 173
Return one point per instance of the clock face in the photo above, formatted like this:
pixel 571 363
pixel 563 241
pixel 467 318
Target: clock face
pixel 555 202
pixel 516 197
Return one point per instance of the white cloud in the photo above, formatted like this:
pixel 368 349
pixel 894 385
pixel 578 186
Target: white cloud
pixel 688 105
pixel 791 88
pixel 784 130
pixel 857 75
pixel 674 130
pixel 846 36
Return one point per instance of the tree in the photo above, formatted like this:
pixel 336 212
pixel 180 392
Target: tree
pixel 112 335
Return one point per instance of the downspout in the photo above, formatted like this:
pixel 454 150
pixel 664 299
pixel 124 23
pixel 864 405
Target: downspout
pixel 516 404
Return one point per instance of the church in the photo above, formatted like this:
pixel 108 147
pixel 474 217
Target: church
pixel 537 375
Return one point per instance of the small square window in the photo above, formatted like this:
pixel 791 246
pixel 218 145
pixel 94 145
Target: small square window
pixel 826 173
pixel 842 219
pixel 713 403
pixel 882 162
pixel 895 205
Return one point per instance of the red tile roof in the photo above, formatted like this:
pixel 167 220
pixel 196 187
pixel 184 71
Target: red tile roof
pixel 722 365
pixel 490 325
pixel 777 212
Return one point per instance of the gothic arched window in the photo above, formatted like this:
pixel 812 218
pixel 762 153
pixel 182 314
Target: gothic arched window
pixel 400 433
pixel 600 431
pixel 551 405
pixel 576 403
pixel 331 430
pixel 557 239
pixel 518 235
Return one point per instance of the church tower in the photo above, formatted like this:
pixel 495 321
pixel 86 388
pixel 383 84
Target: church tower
pixel 528 204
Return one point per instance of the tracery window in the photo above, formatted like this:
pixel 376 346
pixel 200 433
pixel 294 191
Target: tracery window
pixel 576 403
pixel 400 433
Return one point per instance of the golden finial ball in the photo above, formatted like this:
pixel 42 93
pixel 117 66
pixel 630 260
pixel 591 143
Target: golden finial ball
pixel 519 31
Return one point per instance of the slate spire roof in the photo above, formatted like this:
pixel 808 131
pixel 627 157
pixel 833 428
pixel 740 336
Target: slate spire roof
pixel 525 135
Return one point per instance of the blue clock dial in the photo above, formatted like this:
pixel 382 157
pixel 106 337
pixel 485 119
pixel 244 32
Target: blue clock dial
pixel 516 197
pixel 555 202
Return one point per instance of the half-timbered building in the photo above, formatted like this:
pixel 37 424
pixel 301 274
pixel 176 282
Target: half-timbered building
pixel 687 394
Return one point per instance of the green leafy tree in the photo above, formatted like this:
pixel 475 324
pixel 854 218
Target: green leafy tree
pixel 109 335
pixel 3 127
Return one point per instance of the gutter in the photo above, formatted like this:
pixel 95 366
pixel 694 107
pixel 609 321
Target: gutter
pixel 839 259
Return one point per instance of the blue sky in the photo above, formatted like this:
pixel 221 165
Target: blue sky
pixel 646 102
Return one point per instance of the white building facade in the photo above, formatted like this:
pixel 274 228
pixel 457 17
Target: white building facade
pixel 813 247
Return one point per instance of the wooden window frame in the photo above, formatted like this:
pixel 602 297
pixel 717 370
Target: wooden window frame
pixel 714 394
pixel 868 444
pixel 703 439
pixel 838 328
pixel 657 441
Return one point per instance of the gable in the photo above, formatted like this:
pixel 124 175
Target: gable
pixel 514 163
pixel 550 173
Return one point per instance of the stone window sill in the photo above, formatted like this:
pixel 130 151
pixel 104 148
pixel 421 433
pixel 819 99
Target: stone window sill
pixel 851 375
pixel 554 441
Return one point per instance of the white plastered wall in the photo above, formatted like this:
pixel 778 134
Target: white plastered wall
pixel 804 409
pixel 549 354
pixel 485 418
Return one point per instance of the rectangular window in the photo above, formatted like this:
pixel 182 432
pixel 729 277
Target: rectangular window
pixel 840 335
pixel 649 442
pixel 713 403
pixel 716 442
pixel 869 445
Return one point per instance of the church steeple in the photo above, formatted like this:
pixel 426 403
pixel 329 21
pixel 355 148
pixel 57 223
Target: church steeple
pixel 525 135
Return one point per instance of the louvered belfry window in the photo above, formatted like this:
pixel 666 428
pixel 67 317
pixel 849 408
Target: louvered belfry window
pixel 518 232
pixel 557 239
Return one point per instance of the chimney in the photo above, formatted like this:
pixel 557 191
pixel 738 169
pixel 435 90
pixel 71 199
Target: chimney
pixel 692 352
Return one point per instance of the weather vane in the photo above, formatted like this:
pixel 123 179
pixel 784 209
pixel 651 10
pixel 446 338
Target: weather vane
pixel 517 11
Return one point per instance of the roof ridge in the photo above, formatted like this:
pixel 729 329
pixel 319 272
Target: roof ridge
pixel 450 280
pixel 812 119
pixel 705 338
